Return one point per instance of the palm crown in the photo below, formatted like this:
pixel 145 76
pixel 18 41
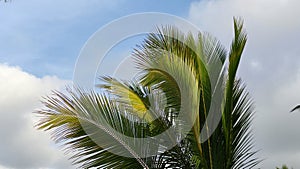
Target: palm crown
pixel 174 96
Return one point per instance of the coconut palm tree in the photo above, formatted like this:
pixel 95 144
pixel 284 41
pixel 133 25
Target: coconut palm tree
pixel 171 98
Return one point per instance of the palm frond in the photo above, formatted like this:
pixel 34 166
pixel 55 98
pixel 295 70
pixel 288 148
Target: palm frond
pixel 131 96
pixel 79 122
pixel 237 112
pixel 243 154
pixel 162 54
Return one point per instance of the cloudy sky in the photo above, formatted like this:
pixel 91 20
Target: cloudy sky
pixel 41 40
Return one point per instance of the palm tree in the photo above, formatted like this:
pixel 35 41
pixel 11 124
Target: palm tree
pixel 172 97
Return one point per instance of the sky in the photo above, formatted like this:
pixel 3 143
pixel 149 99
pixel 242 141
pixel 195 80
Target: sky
pixel 40 42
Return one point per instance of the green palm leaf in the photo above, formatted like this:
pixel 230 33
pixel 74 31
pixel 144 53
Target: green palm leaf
pixel 131 97
pixel 71 117
pixel 237 116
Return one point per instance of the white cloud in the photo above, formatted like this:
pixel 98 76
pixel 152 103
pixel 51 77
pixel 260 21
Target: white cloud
pixel 270 67
pixel 21 145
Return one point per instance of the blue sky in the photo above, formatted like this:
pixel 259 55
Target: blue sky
pixel 41 40
pixel 45 38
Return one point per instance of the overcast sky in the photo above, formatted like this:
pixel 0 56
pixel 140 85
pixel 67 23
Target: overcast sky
pixel 40 42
